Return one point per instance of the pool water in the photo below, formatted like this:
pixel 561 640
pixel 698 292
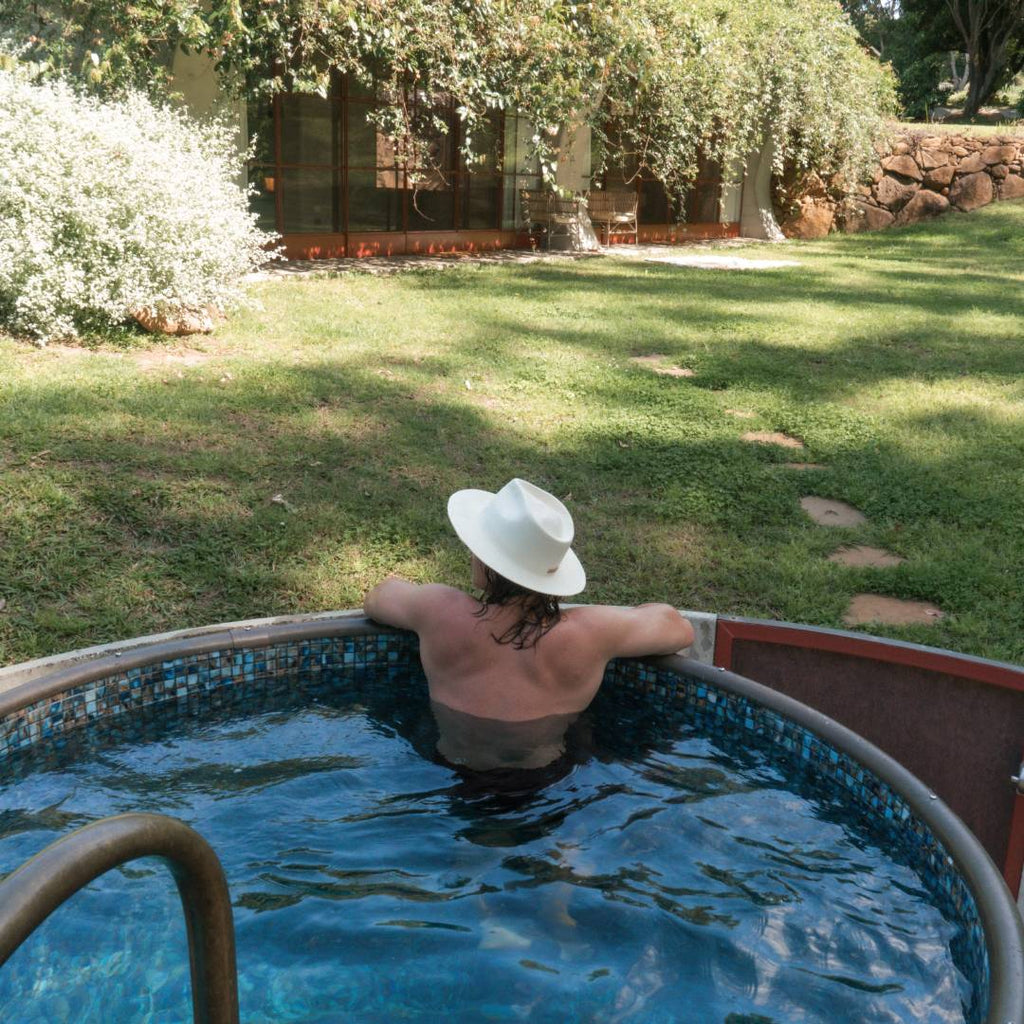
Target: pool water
pixel 653 874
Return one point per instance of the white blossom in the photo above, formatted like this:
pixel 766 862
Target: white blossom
pixel 108 207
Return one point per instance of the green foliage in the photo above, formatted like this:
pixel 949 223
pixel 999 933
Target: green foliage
pixel 657 78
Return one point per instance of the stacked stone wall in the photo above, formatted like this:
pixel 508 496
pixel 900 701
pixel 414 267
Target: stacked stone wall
pixel 920 175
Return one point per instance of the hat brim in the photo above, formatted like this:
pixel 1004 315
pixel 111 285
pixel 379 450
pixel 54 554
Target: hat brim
pixel 464 511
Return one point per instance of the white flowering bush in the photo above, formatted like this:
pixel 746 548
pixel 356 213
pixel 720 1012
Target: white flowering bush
pixel 111 207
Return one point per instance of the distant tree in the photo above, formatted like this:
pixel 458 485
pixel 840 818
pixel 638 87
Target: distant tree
pixel 993 37
pixel 875 21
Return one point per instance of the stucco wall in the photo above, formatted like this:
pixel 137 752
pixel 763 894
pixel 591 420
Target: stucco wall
pixel 200 87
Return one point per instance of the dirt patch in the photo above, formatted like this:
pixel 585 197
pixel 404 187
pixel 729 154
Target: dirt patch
pixel 162 358
pixel 803 465
pixel 772 437
pixel 827 512
pixel 862 555
pixel 655 362
pixel 892 611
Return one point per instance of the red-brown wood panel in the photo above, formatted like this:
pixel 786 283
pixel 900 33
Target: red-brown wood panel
pixel 955 721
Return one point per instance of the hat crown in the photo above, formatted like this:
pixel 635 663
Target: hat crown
pixel 530 525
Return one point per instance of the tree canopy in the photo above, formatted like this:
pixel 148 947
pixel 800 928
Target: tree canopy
pixel 654 78
pixel 919 37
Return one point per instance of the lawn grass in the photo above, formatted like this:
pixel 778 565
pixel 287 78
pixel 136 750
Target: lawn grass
pixel 1014 128
pixel 137 484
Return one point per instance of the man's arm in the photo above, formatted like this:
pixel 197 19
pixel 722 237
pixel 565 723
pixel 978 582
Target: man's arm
pixel 644 630
pixel 397 602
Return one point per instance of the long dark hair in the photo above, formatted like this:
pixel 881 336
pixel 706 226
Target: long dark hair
pixel 540 611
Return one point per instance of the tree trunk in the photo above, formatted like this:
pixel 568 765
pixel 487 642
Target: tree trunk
pixel 987 26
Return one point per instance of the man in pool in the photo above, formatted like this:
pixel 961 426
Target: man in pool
pixel 508 672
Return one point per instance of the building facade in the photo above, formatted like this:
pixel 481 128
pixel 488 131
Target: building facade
pixel 332 185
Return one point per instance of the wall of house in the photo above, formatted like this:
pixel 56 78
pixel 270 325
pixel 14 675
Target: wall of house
pixel 195 78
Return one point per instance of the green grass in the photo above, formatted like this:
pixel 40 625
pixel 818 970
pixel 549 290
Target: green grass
pixel 954 127
pixel 136 486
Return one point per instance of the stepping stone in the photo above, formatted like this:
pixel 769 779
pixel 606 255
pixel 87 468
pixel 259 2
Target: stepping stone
pixel 741 414
pixel 803 465
pixel 762 437
pixel 827 512
pixel 654 362
pixel 862 555
pixel 892 611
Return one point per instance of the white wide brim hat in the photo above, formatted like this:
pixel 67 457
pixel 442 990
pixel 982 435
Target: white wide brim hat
pixel 522 533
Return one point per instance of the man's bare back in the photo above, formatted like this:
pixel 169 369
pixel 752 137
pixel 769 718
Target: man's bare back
pixel 468 670
pixel 509 672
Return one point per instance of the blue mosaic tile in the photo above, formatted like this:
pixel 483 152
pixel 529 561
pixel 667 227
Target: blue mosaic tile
pixel 125 701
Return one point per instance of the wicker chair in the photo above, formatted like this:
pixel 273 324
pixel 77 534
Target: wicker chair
pixel 555 217
pixel 614 210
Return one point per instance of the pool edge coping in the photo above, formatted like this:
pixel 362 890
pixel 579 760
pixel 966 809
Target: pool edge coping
pixel 1001 920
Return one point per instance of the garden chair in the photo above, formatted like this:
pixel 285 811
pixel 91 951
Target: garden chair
pixel 556 217
pixel 614 210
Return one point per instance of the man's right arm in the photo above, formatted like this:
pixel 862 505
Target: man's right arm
pixel 635 632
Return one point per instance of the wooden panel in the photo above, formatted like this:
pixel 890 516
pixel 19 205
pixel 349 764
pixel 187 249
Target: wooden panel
pixel 956 722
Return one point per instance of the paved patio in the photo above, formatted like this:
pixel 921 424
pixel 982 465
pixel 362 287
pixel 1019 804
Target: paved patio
pixel 285 269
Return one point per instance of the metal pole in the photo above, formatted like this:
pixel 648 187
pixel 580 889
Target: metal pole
pixel 31 893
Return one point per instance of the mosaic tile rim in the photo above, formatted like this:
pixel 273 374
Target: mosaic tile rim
pixel 48 708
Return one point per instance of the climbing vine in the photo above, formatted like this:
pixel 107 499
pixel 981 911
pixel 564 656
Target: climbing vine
pixel 655 79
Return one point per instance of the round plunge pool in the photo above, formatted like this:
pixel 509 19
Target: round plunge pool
pixel 705 850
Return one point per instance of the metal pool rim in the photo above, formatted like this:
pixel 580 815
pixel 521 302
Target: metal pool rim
pixel 1002 925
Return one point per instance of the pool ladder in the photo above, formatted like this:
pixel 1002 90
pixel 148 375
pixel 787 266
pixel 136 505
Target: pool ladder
pixel 35 890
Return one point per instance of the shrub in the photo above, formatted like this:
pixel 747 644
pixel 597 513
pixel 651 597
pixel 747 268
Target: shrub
pixel 108 207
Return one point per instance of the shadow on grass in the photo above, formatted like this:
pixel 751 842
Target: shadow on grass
pixel 154 508
pixel 130 505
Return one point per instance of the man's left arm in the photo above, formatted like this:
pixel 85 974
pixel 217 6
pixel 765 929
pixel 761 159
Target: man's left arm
pixel 397 602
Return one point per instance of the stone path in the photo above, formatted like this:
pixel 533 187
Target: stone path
pixel 828 512
pixel 283 270
pixel 893 611
pixel 862 555
pixel 773 437
pixel 863 609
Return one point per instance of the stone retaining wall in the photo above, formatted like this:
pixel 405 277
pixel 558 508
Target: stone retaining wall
pixel 921 175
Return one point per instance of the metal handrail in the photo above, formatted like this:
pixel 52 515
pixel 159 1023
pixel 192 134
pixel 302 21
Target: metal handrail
pixel 35 890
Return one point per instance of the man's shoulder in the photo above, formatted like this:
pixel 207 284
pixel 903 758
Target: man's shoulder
pixel 596 615
pixel 596 619
pixel 439 596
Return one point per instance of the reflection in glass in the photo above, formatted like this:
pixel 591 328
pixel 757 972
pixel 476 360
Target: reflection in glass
pixel 259 117
pixel 654 203
pixel 308 131
pixel 362 137
pixel 484 142
pixel 370 206
pixel 702 203
pixel 480 198
pixel 261 202
pixel 431 209
pixel 309 199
